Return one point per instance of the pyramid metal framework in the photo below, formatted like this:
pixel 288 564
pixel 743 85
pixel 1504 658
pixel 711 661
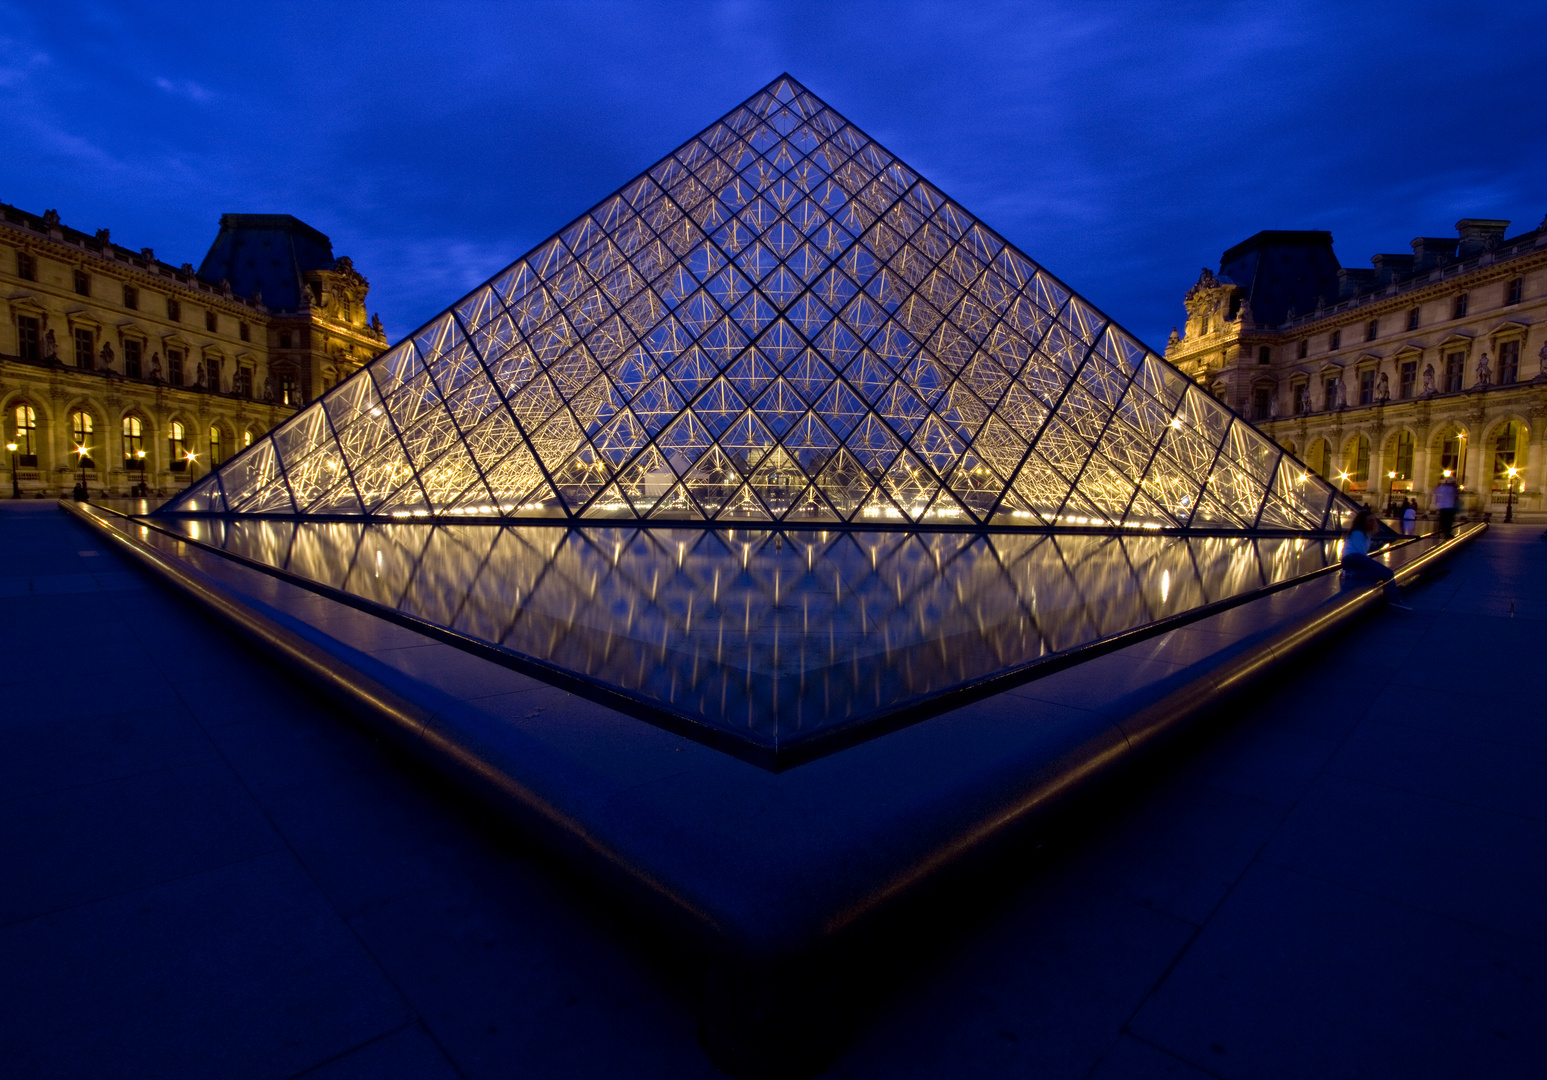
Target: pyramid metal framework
pixel 780 322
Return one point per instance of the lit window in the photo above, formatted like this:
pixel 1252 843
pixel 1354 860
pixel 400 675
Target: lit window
pixel 215 456
pixel 134 443
pixel 24 430
pixel 177 453
pixel 80 432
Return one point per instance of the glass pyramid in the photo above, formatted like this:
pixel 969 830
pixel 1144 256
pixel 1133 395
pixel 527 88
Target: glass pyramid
pixel 780 322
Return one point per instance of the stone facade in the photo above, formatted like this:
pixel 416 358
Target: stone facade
pixel 1385 380
pixel 156 370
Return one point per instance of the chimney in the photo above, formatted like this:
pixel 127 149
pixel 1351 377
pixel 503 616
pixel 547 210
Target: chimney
pixel 1389 268
pixel 1433 251
pixel 1479 235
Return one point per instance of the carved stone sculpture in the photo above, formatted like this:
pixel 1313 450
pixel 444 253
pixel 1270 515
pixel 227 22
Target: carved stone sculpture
pixel 1429 389
pixel 107 357
pixel 155 366
pixel 1484 372
pixel 1541 376
pixel 198 375
pixel 50 348
pixel 1383 388
pixel 268 388
pixel 1342 402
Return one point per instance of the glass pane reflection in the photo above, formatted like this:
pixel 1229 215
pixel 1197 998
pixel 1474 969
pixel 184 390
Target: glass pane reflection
pixel 771 637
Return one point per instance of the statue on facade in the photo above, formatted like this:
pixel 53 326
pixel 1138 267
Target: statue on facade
pixel 107 356
pixel 1244 316
pixel 1342 402
pixel 376 325
pixel 155 367
pixel 1541 376
pixel 1170 341
pixel 1383 388
pixel 1484 372
pixel 50 348
pixel 198 374
pixel 1429 389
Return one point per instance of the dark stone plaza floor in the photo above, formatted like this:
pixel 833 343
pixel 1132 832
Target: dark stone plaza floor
pixel 207 874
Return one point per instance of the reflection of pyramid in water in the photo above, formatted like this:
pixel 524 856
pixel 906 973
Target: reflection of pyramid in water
pixel 779 322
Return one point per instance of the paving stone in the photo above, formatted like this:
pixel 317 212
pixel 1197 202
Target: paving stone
pixel 235 972
pixel 1296 977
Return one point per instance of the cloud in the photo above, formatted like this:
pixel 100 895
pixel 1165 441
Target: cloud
pixel 185 88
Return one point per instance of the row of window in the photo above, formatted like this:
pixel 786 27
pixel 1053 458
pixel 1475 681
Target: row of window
pixel 1512 295
pixel 26 269
pixel 30 347
pixel 24 432
pixel 1451 380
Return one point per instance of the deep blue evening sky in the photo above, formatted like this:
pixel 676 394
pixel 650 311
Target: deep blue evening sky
pixel 1121 145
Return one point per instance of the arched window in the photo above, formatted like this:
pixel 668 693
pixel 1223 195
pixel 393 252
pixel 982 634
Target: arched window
pixel 1319 458
pixel 1508 455
pixel 1452 456
pixel 24 431
pixel 1402 463
pixel 1355 473
pixel 80 434
pixel 177 452
pixel 134 443
pixel 215 456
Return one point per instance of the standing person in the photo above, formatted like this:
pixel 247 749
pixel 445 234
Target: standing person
pixel 1409 517
pixel 1357 561
pixel 1445 503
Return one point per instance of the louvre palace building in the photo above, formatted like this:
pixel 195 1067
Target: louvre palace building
pixel 1385 380
pixel 118 369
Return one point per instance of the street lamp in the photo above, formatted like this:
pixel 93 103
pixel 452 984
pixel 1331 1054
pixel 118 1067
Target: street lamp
pixel 15 483
pixel 1509 505
pixel 1391 491
pixel 80 458
pixel 140 457
pixel 192 457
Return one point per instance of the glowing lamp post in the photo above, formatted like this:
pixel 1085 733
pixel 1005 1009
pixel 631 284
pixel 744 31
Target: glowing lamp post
pixel 1391 490
pixel 192 458
pixel 1509 486
pixel 80 459
pixel 139 456
pixel 15 483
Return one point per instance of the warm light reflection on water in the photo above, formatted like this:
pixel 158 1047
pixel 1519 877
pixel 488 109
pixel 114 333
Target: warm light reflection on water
pixel 770 636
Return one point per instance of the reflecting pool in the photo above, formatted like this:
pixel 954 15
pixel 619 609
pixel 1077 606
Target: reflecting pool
pixel 771 638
